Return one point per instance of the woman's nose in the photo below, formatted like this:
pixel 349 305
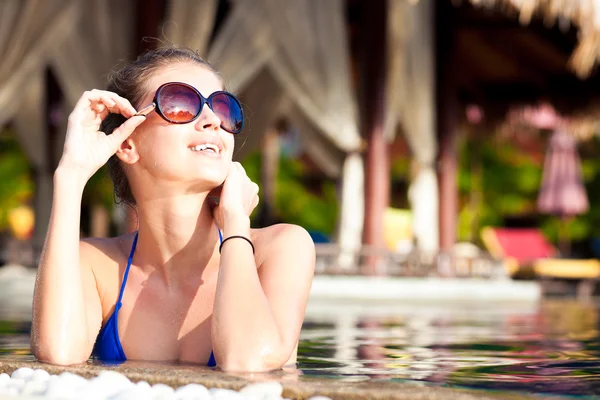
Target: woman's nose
pixel 208 119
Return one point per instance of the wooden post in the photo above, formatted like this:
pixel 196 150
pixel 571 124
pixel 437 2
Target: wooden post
pixel 448 110
pixel 149 15
pixel 373 64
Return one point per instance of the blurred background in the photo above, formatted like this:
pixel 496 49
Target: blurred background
pixel 408 137
pixel 443 154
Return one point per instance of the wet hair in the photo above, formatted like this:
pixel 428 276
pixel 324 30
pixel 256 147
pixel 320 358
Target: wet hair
pixel 130 82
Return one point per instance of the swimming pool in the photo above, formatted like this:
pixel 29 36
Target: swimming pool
pixel 551 347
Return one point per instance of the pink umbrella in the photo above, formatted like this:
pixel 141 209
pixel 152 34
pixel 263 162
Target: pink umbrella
pixel 562 193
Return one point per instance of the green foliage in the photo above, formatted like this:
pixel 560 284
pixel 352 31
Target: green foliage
pixel 16 183
pixel 508 180
pixel 400 168
pixel 99 189
pixel 505 178
pixel 496 179
pixel 294 203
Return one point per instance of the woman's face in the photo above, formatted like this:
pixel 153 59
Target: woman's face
pixel 169 151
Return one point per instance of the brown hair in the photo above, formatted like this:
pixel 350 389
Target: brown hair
pixel 129 82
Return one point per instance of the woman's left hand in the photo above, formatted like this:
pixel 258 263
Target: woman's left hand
pixel 238 198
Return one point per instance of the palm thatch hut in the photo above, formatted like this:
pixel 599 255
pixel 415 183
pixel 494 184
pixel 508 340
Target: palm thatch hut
pixel 583 14
pixel 502 54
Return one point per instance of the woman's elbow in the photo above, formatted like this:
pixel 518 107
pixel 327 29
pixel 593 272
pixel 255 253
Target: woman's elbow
pixel 243 365
pixel 51 355
pixel 60 361
pixel 263 362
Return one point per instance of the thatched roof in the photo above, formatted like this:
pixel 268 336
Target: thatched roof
pixel 584 14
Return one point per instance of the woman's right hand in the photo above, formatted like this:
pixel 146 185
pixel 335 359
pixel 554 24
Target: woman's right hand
pixel 86 148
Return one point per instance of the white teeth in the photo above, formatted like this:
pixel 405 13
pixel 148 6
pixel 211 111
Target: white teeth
pixel 206 146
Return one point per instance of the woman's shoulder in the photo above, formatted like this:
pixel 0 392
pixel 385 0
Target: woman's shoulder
pixel 95 250
pixel 282 232
pixel 282 238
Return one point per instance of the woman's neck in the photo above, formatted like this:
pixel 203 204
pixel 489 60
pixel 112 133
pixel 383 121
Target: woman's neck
pixel 177 236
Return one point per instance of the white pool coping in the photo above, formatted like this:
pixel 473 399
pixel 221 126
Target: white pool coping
pixel 16 292
pixel 357 288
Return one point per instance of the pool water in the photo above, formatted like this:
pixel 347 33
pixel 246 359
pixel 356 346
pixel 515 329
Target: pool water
pixel 547 348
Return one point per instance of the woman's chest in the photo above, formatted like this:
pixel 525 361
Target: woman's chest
pixel 162 323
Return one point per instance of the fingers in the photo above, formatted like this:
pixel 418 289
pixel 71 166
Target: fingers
pixel 114 102
pixel 121 133
pixel 102 102
pixel 254 188
pixel 239 166
pixel 255 199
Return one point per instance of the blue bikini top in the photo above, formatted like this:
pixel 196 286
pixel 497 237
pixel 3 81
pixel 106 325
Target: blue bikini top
pixel 108 344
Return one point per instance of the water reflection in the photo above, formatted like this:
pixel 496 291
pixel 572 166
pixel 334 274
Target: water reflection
pixel 550 348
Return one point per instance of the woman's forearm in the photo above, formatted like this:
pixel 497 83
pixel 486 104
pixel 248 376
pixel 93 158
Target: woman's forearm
pixel 60 328
pixel 245 335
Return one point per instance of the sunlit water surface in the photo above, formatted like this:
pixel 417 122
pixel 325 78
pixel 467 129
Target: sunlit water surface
pixel 548 348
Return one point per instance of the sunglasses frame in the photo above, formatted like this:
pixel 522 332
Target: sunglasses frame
pixel 203 100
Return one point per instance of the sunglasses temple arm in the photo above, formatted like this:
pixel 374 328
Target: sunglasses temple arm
pixel 146 110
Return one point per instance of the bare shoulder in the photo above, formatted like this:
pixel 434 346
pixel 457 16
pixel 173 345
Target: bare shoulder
pixel 104 257
pixel 105 249
pixel 284 240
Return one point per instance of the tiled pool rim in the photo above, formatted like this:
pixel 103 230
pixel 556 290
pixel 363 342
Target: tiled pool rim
pixel 180 375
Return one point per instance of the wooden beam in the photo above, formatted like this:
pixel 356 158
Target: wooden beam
pixel 448 115
pixel 493 60
pixel 377 174
pixel 149 16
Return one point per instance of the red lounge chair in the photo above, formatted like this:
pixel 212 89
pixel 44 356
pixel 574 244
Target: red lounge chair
pixel 527 253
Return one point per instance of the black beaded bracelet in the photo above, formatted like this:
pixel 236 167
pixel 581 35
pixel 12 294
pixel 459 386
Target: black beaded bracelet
pixel 239 237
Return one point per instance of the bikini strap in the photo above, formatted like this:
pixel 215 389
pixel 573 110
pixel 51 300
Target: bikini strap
pixel 220 235
pixel 129 260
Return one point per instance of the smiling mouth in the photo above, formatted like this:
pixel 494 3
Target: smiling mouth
pixel 207 147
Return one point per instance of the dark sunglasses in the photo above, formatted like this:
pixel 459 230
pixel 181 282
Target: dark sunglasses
pixel 180 103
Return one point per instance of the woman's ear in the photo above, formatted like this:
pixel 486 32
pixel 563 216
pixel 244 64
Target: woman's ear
pixel 127 152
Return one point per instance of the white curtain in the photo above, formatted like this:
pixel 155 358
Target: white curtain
pixel 243 45
pixel 189 23
pixel 312 64
pixel 328 157
pixel 303 43
pixel 104 39
pixel 263 101
pixel 83 61
pixel 29 30
pixel 412 94
pixel 30 121
pixel 352 213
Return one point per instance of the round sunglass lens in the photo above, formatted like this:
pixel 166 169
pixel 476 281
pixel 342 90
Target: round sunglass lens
pixel 229 111
pixel 178 103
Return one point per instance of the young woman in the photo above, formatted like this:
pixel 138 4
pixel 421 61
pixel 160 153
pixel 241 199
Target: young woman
pixel 194 283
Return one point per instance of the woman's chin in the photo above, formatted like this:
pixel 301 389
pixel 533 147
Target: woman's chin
pixel 211 176
pixel 208 182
